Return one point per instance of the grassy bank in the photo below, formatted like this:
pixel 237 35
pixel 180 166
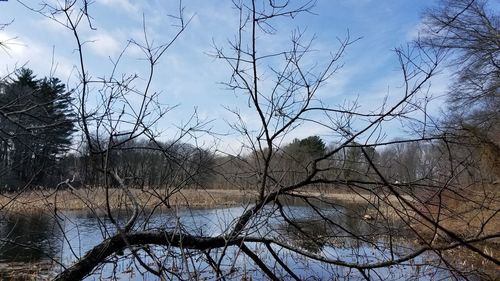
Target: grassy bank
pixel 96 199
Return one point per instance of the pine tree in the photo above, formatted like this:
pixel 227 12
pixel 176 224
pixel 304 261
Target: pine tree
pixel 36 124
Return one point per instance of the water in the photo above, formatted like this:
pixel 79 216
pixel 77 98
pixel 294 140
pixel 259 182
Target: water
pixel 67 237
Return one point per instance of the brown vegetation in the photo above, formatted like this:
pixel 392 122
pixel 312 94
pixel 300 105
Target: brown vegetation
pixel 95 199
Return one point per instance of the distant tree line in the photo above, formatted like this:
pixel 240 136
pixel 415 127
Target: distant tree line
pixel 145 164
pixel 37 125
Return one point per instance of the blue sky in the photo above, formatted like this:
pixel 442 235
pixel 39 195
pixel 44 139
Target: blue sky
pixel 190 78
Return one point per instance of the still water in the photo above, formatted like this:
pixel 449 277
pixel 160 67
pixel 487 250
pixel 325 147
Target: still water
pixel 41 238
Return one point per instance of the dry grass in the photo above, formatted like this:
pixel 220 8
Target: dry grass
pixel 14 271
pixel 95 199
pixel 470 214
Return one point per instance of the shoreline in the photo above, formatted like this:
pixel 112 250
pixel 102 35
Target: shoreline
pixel 65 200
pixel 95 199
pixel 47 201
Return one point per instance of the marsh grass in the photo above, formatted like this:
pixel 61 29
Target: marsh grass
pixel 96 199
pixel 22 271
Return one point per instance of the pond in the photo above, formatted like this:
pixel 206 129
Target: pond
pixel 39 239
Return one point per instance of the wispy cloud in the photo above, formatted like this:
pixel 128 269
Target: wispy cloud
pixel 189 77
pixel 125 5
pixel 11 45
pixel 104 44
pixel 44 59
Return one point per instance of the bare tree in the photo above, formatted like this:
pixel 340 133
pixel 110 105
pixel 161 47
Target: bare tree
pixel 468 31
pixel 291 102
pixel 291 229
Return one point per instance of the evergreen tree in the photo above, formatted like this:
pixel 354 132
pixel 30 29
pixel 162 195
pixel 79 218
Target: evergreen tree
pixel 306 149
pixel 313 146
pixel 36 124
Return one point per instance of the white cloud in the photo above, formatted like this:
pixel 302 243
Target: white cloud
pixel 43 59
pixel 415 32
pixel 188 77
pixel 104 44
pixel 11 45
pixel 13 53
pixel 125 5
pixel 51 25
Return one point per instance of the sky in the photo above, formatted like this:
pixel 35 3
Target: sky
pixel 190 78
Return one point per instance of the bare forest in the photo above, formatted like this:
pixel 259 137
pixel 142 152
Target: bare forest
pixel 94 188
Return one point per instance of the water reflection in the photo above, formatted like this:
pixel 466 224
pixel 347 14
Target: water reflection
pixel 304 228
pixel 309 235
pixel 339 226
pixel 29 238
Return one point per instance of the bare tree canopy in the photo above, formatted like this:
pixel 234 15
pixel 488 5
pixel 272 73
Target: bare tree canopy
pixel 469 31
pixel 361 207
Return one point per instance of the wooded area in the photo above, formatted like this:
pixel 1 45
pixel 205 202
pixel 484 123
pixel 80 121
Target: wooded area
pixel 426 199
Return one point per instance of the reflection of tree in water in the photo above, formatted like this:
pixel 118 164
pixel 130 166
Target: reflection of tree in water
pixel 314 235
pixel 28 238
pixel 310 235
pixel 340 227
